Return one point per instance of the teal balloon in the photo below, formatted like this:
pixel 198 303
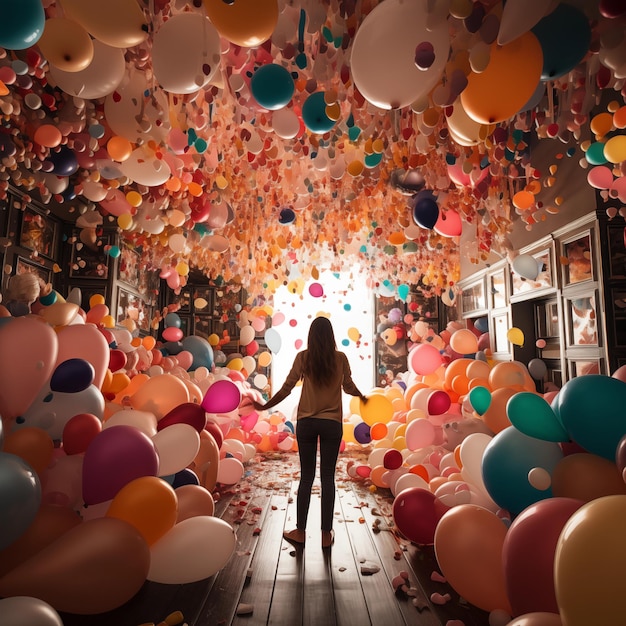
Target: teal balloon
pixel 595 153
pixel 372 160
pixel 403 292
pixel 272 86
pixel 507 461
pixel 591 409
pixel 21 24
pixel 480 399
pixel 314 114
pixel 564 35
pixel 201 351
pixel 533 416
pixel 20 497
pixel 173 319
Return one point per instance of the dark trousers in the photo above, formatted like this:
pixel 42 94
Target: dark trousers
pixel 329 432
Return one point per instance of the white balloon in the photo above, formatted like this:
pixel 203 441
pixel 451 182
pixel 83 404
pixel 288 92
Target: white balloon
pixel 24 610
pixel 246 335
pixel 285 123
pixel 99 79
pixel 144 168
pixel 177 446
pixel 273 340
pixel 526 266
pixel 383 53
pixel 185 69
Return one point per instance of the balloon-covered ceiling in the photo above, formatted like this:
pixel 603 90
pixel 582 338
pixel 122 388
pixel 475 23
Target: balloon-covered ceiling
pixel 258 140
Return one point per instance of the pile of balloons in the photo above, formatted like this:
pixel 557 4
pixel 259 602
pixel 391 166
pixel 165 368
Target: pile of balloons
pixel 519 492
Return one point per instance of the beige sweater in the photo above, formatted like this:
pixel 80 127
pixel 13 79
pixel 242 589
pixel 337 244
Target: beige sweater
pixel 324 402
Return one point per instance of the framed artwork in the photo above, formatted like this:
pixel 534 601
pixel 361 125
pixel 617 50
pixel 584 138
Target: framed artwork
pixel 90 261
pixel 544 277
pixel 203 326
pixel 583 326
pixel 226 303
pixel 577 259
pixel 501 327
pixel 203 299
pixel 130 305
pixel 584 367
pixel 183 299
pixel 24 266
pixel 128 266
pixel 38 233
pixel 473 297
pixel 497 289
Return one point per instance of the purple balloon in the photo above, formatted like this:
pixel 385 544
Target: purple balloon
pixel 115 457
pixel 223 396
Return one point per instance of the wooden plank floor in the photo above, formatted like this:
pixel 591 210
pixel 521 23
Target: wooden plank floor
pixel 269 581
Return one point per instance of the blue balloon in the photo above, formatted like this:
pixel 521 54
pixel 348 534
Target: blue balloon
pixel 564 35
pixel 172 319
pixel 20 497
pixel 72 376
pixel 185 477
pixel 272 86
pixel 507 460
pixel 425 210
pixel 22 23
pixel 63 161
pixel 481 324
pixel 314 114
pixel 201 351
pixel 287 216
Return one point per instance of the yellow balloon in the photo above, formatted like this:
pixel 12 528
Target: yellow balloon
pixel 235 364
pixel 264 359
pixel 247 23
pixel 615 149
pixel 108 321
pixel 515 336
pixel 213 339
pixel 125 221
pixel 354 334
pixel 377 409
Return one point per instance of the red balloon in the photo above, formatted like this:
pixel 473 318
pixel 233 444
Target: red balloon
pixel 392 459
pixel 117 360
pixel 79 432
pixel 185 413
pixel 416 513
pixel 213 429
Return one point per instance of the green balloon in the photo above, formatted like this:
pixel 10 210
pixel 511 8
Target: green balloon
pixel 480 399
pixel 533 416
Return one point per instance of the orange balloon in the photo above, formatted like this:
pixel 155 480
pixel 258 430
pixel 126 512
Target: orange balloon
pixel 247 23
pixel 194 500
pixel 206 462
pixel 376 476
pixel 456 367
pixel 147 503
pixel 507 83
pixel 468 546
pixel 495 416
pixel 33 445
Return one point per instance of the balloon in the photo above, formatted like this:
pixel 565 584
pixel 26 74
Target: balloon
pixel 23 23
pixel 185 69
pixel 597 395
pixel 480 399
pixel 247 23
pixel 528 554
pixel 201 351
pixel 272 86
pixel 194 549
pixel 176 447
pixel 193 501
pixel 222 396
pixel 533 416
pixel 416 513
pixel 314 114
pixel 20 497
pixel 186 413
pixel 117 23
pixel 378 408
pixel 588 563
pixel 468 546
pixel 570 26
pixel 526 266
pixel 159 395
pixel 115 457
pixel 383 53
pixel 66 44
pixel 515 336
pixel 273 340
pixel 507 460
pixel 49 524
pixel 87 557
pixel 230 471
pixel 23 610
pixel 21 379
pixel 519 16
pixel 464 341
pixel 424 359
pixel 509 80
pixel 149 504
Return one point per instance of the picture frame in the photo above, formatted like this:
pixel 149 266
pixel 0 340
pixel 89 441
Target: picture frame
pixel 24 266
pixel 582 320
pixel 225 303
pixel 203 326
pixel 128 266
pixel 617 252
pixel 130 305
pixel 183 300
pixel 37 232
pixel 579 259
pixel 473 297
pixel 544 278
pixel 89 261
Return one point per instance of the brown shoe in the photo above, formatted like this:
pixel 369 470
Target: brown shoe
pixel 328 538
pixel 296 536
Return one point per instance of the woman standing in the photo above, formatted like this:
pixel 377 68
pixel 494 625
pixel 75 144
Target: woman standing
pixel 324 372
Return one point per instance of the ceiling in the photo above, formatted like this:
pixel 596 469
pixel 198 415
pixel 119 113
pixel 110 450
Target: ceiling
pixel 260 141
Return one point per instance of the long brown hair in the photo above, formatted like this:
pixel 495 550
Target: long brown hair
pixel 320 363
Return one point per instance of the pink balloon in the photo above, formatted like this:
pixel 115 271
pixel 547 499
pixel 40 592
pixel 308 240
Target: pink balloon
pixel 316 290
pixel 424 359
pixel 185 359
pixel 420 433
pixel 600 177
pixel 223 396
pixel 171 333
pixel 449 224
pixel 116 456
pixel 28 357
pixel 528 554
pixel 85 341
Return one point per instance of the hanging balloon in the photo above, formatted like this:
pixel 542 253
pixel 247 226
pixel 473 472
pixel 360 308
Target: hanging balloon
pixel 425 210
pixel 314 114
pixel 22 24
pixel 272 86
